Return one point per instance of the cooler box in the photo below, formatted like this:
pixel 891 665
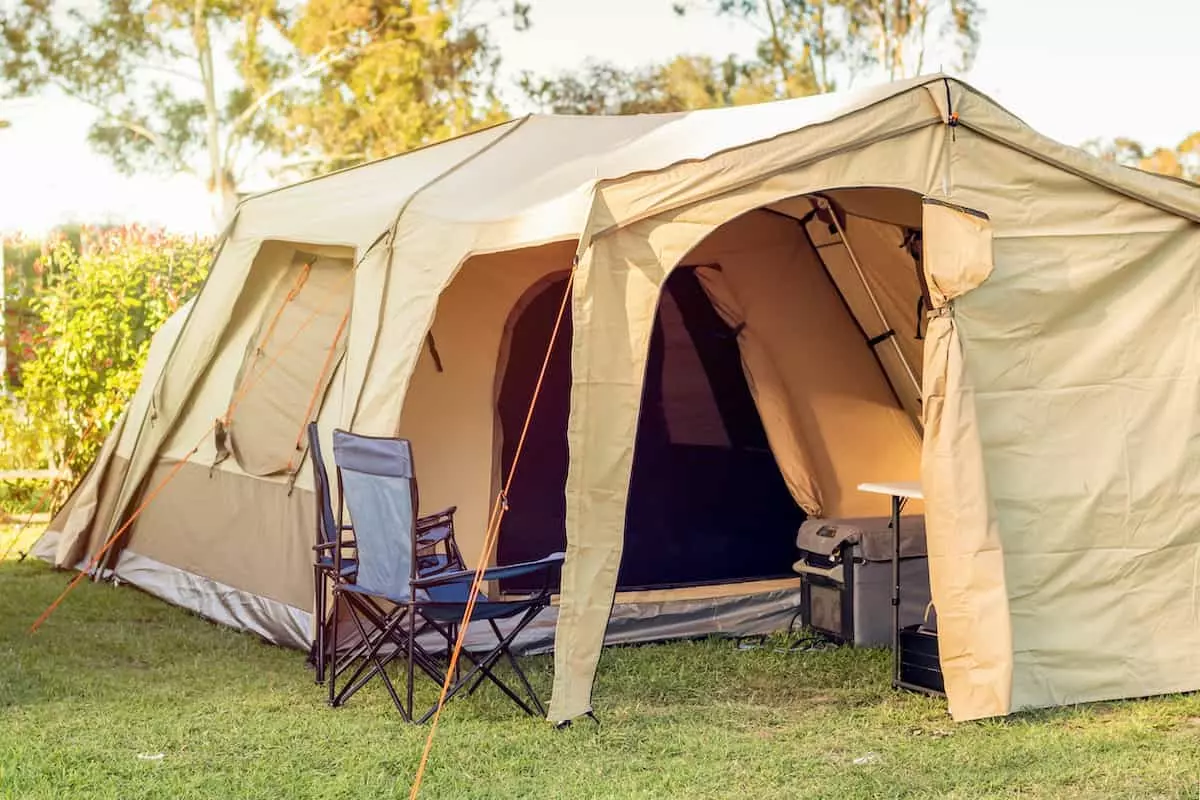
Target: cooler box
pixel 846 577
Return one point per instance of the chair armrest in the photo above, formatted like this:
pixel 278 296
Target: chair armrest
pixel 330 545
pixel 492 573
pixel 434 535
pixel 436 518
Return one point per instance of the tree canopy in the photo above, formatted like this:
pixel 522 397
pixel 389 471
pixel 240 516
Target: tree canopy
pixel 207 86
pixel 1181 161
pixel 805 47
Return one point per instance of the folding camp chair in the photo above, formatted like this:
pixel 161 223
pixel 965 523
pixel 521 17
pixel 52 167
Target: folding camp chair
pixel 437 549
pixel 390 602
pixel 333 559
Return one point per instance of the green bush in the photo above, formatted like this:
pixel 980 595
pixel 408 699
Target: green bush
pixel 96 317
pixel 25 496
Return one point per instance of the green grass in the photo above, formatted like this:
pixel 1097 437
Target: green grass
pixel 115 675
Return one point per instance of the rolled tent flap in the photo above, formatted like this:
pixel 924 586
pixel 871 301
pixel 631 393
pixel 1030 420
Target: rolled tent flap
pixel 966 561
pixel 958 250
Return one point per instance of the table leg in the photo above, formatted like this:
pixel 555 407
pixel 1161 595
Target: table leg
pixel 897 503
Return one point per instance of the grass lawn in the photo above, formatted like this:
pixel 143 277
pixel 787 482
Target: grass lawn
pixel 116 678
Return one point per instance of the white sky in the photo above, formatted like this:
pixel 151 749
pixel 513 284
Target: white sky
pixel 1073 69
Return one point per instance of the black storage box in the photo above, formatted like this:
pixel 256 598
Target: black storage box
pixel 920 667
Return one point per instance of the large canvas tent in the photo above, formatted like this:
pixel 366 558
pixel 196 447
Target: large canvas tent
pixel 1033 360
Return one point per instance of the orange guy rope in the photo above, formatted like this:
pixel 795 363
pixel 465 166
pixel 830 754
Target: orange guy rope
pixel 493 531
pixel 316 393
pixel 293 293
pixel 237 398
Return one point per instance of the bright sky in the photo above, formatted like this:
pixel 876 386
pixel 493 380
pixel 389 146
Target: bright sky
pixel 1069 68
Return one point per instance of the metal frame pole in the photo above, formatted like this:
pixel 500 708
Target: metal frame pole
pixel 826 205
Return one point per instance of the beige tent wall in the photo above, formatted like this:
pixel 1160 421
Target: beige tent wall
pixel 1081 353
pixel 617 287
pixel 188 528
pixel 450 416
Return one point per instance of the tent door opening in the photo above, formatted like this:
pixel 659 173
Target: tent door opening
pixel 707 503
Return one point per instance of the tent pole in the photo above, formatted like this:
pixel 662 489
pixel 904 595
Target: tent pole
pixel 825 205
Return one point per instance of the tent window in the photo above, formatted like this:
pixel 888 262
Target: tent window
pixel 288 364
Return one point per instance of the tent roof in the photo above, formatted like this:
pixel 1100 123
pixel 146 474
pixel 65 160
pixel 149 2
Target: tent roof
pixel 547 166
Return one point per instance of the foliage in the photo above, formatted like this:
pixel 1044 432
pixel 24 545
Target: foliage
pixel 235 718
pixel 811 46
pixel 396 76
pixel 207 86
pixel 21 497
pixel 25 276
pixel 682 84
pixel 98 316
pixel 807 47
pixel 1182 161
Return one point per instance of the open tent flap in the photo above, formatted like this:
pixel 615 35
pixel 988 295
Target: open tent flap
pixel 831 417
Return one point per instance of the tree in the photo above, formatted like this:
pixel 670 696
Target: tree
pixel 817 45
pixel 401 75
pixel 1182 161
pixel 207 87
pixel 684 83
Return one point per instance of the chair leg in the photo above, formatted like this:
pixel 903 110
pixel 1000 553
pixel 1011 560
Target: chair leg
pixel 412 646
pixel 364 673
pixel 333 645
pixel 319 646
pixel 520 672
pixel 380 666
pixel 483 667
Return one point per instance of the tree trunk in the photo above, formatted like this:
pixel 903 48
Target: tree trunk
pixel 221 188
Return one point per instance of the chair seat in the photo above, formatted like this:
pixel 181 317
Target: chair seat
pixel 349 565
pixel 452 612
pixel 453 594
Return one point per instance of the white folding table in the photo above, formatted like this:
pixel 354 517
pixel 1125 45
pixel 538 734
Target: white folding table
pixel 900 492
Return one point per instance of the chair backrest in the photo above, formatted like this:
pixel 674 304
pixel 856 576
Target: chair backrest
pixel 375 479
pixel 326 527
